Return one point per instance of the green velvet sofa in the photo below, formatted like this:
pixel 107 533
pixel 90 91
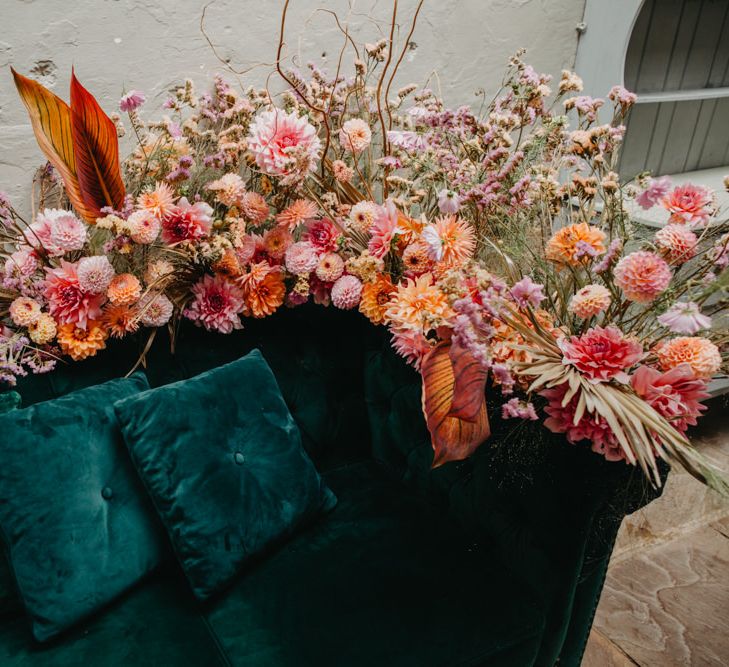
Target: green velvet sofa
pixel 497 560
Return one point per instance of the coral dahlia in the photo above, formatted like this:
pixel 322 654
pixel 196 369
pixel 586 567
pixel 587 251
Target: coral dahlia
pixel 576 244
pixel 67 301
pixel 642 276
pixel 81 343
pixel 601 354
pixel 590 301
pixel 676 243
pixel 699 353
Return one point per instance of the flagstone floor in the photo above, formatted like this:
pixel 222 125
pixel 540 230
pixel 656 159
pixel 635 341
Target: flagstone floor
pixel 666 597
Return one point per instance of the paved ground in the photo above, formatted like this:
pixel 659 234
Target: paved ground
pixel 666 598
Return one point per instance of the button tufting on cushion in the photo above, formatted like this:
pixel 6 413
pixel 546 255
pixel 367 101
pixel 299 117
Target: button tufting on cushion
pixel 107 493
pixel 239 458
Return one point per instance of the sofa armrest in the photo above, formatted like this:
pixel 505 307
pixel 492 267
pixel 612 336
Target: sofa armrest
pixel 551 510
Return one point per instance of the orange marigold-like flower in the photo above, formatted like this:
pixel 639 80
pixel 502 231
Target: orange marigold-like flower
pixel 228 265
pixel 576 244
pixel 120 320
pixel 159 202
pixel 80 343
pixel 376 299
pixel 418 304
pixel 276 241
pixel 699 353
pixel 263 290
pixel 301 211
pixel 124 289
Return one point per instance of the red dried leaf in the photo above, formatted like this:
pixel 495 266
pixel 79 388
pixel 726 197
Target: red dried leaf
pixel 453 437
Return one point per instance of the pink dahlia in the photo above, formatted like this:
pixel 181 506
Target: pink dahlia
pixel 383 229
pixel 355 135
pixel 131 101
pixel 601 354
pixel 589 427
pixel 675 394
pixel 216 304
pixel 187 222
pixel 301 258
pixel 278 139
pixel 642 276
pixel 94 274
pixel 685 318
pixel 68 303
pixel 145 227
pixel 676 243
pixel 689 204
pixel 330 267
pixel 346 292
pixel 155 310
pixel 322 234
pixel 21 264
pixel 57 231
pixel 412 345
pixel 656 189
pixel 590 301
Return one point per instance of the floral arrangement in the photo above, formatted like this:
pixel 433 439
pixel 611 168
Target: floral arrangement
pixel 492 244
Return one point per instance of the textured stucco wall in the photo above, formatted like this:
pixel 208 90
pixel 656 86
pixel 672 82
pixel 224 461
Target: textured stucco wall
pixel 151 44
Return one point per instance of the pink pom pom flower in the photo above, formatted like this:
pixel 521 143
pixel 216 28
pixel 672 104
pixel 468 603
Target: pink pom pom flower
pixel 642 276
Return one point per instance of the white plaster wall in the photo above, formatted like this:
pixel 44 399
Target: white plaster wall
pixel 151 44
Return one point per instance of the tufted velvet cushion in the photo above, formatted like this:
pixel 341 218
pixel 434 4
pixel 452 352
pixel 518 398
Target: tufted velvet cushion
pixel 223 462
pixel 73 515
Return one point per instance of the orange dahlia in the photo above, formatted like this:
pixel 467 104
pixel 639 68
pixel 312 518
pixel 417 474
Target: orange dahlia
pixel 376 299
pixel 416 259
pixel 699 353
pixel 124 289
pixel 80 343
pixel 451 240
pixel 276 241
pixel 418 304
pixel 158 202
pixel 576 244
pixel 120 320
pixel 263 290
pixel 301 211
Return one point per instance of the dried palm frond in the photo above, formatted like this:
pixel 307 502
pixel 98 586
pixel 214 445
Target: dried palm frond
pixel 643 434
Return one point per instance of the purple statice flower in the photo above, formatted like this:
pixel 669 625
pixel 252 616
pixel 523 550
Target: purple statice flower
pixel 132 101
pixel 614 249
pixel 584 249
pixel 517 409
pixel 527 293
pixel 656 189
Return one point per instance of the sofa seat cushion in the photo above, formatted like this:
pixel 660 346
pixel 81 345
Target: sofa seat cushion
pixel 382 580
pixel 156 623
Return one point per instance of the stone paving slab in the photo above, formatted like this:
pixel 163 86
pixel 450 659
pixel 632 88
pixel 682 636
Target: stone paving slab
pixel 667 604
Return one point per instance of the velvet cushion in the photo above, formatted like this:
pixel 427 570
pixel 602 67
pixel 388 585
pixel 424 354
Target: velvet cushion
pixel 73 515
pixel 223 462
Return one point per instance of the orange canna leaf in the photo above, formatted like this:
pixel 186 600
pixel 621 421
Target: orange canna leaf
pixel 50 117
pixel 96 149
pixel 470 384
pixel 454 409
